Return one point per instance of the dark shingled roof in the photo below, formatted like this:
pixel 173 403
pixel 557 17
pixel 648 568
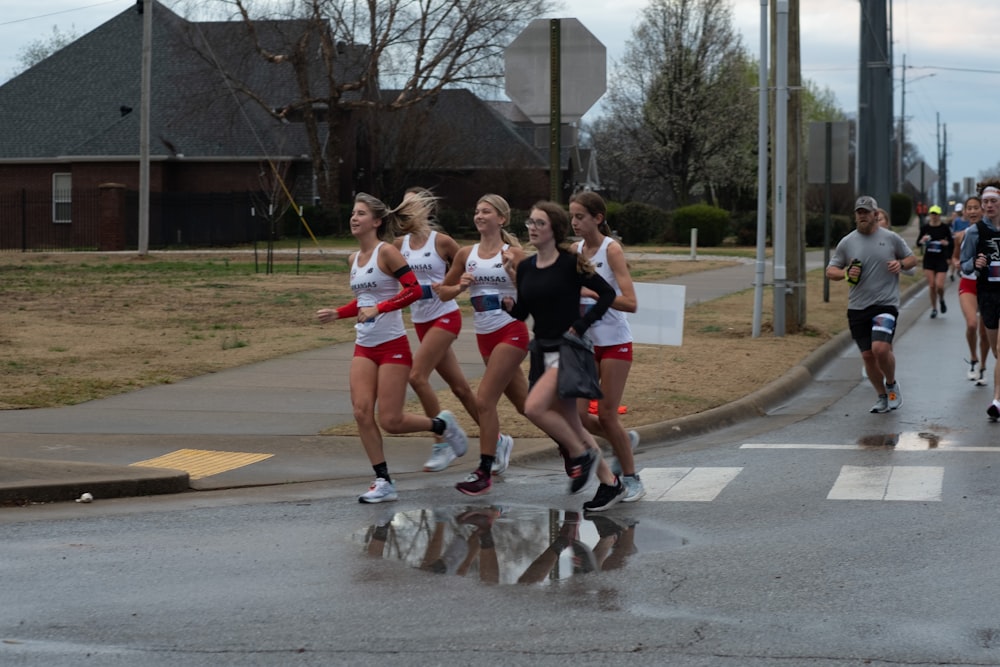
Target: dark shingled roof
pixel 71 104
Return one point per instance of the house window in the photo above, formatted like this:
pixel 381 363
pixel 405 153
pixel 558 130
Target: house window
pixel 62 197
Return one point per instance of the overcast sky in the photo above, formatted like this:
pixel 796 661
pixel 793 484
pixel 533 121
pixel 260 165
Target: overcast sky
pixel 950 72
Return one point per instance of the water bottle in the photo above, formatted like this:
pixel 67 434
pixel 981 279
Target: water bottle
pixel 850 280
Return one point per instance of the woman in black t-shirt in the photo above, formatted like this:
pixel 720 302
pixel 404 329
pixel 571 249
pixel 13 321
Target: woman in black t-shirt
pixel 548 289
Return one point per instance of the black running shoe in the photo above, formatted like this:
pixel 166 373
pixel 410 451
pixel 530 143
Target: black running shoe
pixel 944 306
pixel 607 496
pixel 993 411
pixel 582 470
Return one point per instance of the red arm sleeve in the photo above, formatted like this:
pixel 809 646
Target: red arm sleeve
pixel 411 291
pixel 350 310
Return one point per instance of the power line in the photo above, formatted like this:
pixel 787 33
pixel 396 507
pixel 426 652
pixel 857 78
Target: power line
pixel 63 11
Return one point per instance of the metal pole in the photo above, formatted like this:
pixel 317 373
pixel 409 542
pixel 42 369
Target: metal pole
pixel 758 292
pixel 902 128
pixel 826 209
pixel 780 167
pixel 555 109
pixel 147 60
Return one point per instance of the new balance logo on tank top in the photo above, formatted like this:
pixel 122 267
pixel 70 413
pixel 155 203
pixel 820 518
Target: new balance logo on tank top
pixel 371 286
pixel 613 328
pixel 429 268
pixel 490 285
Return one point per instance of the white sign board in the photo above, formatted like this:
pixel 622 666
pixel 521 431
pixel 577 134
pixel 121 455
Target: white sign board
pixel 659 319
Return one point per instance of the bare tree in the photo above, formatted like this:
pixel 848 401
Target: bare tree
pixel 39 49
pixel 349 52
pixel 683 94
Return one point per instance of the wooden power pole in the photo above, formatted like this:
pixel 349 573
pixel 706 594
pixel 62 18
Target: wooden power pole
pixel 795 256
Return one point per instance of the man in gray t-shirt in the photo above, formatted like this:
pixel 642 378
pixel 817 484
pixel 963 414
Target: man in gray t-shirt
pixel 871 258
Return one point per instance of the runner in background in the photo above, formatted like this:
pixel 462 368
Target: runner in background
pixel 958 223
pixel 975 331
pixel 981 256
pixel 935 238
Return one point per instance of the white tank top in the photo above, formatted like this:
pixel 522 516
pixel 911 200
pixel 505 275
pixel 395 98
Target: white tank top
pixel 613 328
pixel 371 285
pixel 429 267
pixel 490 286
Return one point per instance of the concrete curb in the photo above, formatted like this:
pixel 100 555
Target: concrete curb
pixel 758 403
pixel 60 481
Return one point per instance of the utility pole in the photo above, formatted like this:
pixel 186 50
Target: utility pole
pixel 795 249
pixel 901 142
pixel 144 103
pixel 874 103
pixel 780 165
pixel 943 177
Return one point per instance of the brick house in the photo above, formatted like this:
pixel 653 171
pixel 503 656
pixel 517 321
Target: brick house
pixel 70 125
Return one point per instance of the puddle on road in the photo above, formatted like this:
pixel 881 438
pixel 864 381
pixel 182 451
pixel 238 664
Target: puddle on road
pixel 511 544
pixel 907 441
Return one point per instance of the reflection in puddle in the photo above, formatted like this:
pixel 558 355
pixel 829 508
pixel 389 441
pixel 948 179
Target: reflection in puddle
pixel 506 544
pixel 908 441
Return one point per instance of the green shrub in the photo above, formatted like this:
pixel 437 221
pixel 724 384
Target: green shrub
pixel 712 223
pixel 900 209
pixel 840 226
pixel 745 229
pixel 639 223
pixel 453 221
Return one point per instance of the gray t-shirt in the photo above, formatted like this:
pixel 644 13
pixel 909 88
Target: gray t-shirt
pixel 877 286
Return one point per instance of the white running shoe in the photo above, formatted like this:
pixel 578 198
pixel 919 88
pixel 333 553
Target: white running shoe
pixel 381 491
pixel 441 457
pixel 453 433
pixel 895 396
pixel 505 445
pixel 634 490
pixel 981 378
pixel 616 467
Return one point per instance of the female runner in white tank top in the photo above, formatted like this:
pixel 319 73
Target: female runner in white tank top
pixel 429 253
pixel 381 364
pixel 611 335
pixel 503 341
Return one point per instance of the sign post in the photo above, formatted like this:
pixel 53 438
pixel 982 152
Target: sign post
pixel 555 71
pixel 828 163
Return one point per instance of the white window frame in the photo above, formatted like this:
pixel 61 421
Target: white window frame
pixel 62 198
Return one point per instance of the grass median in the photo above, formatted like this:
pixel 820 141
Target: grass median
pixel 79 327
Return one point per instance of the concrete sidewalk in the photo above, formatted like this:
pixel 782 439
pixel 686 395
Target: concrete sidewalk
pixel 259 424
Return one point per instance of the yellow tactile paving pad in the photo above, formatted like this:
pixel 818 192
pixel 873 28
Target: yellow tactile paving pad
pixel 200 463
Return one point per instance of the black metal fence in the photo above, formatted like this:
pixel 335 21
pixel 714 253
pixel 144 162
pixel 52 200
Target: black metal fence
pixel 175 220
pixel 27 222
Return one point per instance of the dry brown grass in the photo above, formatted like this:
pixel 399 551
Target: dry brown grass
pixel 77 327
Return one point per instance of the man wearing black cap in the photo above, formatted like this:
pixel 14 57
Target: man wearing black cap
pixel 870 258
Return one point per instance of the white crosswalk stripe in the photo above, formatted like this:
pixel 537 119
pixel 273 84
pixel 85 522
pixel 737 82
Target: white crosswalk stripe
pixel 914 483
pixel 686 484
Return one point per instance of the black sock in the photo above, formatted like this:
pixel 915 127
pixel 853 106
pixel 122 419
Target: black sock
pixel 382 470
pixel 438 426
pixel 486 463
